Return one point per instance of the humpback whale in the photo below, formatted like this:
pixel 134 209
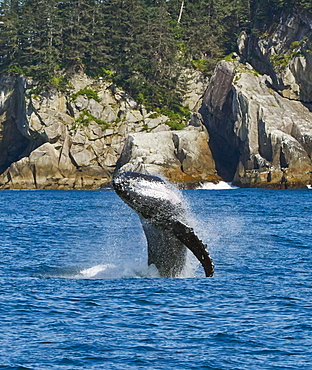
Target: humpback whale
pixel 164 222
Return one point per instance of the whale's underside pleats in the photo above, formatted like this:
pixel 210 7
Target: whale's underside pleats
pixel 167 247
pixel 165 250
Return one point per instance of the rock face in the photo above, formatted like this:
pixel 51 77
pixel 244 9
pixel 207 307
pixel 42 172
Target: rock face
pixel 16 138
pixel 74 141
pixel 258 138
pixel 65 141
pixel 284 54
pixel 181 156
pixel 195 84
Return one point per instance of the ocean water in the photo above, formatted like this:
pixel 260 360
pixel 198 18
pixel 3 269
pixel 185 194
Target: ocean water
pixel 76 292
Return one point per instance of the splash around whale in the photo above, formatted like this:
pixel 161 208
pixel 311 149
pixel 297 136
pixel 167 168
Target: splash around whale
pixel 164 222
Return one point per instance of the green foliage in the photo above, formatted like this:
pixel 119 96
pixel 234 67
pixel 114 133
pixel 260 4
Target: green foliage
pixel 36 91
pixel 15 69
pixel 174 125
pixel 295 45
pixel 177 118
pixel 230 57
pixel 154 115
pixel 278 60
pixel 265 12
pixel 107 74
pixel 296 49
pixel 88 93
pixel 59 82
pixel 305 4
pixel 85 117
pixel 201 65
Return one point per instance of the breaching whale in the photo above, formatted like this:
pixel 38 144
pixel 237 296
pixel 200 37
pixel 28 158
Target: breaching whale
pixel 163 218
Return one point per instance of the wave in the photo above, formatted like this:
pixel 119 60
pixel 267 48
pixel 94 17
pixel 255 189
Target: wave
pixel 101 271
pixel 221 185
pixel 130 270
pixel 110 271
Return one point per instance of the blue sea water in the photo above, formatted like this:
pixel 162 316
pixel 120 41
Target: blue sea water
pixel 76 292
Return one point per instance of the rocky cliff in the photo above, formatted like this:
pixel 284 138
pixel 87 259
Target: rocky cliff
pixel 284 53
pixel 257 108
pixel 59 140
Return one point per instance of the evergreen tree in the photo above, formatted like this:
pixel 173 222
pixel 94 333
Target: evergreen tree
pixel 10 35
pixel 76 22
pixel 205 30
pixel 39 54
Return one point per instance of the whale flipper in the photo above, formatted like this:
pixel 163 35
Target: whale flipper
pixel 187 236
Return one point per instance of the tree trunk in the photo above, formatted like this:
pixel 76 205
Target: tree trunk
pixel 181 11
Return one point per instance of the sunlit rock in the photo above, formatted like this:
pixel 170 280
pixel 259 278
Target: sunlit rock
pixel 181 156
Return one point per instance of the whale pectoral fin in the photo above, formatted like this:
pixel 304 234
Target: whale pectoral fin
pixel 187 236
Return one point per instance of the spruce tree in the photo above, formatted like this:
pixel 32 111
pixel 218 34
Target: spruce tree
pixel 10 35
pixel 39 54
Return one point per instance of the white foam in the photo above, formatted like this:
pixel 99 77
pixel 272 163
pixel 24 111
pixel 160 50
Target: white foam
pixel 221 185
pixel 192 266
pixel 127 270
pixel 91 272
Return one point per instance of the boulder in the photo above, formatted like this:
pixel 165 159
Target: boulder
pixel 152 122
pixel 19 176
pixel 44 161
pixel 38 171
pixel 181 156
pixel 82 156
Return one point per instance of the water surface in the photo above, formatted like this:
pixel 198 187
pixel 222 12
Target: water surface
pixel 76 292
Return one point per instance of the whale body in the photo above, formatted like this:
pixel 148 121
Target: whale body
pixel 164 222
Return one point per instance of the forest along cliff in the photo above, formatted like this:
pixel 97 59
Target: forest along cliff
pixel 258 108
pixel 253 126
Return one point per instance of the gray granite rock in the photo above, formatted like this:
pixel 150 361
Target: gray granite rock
pixel 284 54
pixel 181 156
pixel 76 140
pixel 258 138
